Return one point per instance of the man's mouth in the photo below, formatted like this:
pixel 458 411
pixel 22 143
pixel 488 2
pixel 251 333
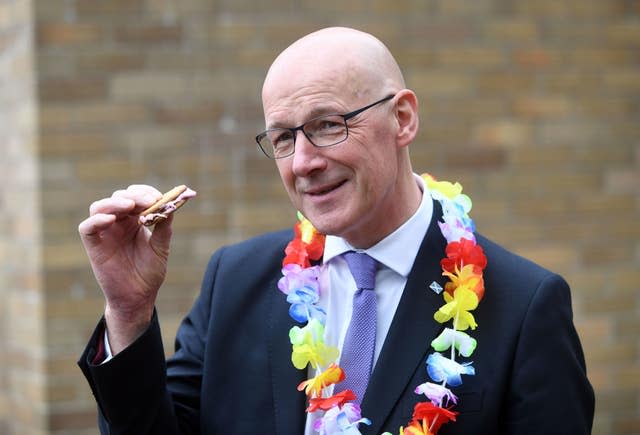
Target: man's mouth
pixel 323 190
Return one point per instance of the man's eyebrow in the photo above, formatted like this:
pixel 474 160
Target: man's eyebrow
pixel 323 109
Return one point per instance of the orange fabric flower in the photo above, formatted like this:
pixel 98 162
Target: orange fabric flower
pixel 434 415
pixel 314 386
pixel 417 428
pixel 313 239
pixel 470 276
pixel 307 246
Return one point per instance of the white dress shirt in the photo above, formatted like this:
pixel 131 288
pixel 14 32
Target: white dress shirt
pixel 396 254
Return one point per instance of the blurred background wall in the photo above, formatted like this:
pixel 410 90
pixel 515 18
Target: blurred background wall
pixel 532 104
pixel 23 352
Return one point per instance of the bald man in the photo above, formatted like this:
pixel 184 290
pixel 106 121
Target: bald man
pixel 339 121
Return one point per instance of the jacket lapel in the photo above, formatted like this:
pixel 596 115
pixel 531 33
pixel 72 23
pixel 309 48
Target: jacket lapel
pixel 288 402
pixel 412 329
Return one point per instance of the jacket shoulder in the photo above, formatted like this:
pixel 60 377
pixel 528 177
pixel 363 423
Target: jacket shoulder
pixel 274 240
pixel 264 251
pixel 504 265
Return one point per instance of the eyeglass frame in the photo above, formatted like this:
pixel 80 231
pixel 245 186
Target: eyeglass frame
pixel 294 130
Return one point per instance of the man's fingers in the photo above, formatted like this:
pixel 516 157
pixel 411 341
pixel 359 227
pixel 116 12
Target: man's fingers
pixel 143 195
pixel 91 227
pixel 144 189
pixel 115 206
pixel 128 201
pixel 161 236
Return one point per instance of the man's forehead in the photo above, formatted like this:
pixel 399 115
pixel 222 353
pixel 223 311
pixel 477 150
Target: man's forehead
pixel 313 93
pixel 310 87
pixel 287 110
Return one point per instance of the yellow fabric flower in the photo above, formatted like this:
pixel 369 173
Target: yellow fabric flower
pixel 450 190
pixel 309 347
pixel 307 230
pixel 457 307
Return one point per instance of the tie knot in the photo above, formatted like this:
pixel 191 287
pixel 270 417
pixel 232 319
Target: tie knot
pixel 363 268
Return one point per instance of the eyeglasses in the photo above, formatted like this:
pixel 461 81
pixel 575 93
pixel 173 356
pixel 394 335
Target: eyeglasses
pixel 322 131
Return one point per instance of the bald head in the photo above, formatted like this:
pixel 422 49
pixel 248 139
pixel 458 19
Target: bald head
pixel 336 60
pixel 362 188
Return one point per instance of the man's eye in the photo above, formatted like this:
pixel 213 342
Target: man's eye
pixel 282 139
pixel 328 126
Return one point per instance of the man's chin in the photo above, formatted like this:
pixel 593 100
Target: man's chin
pixel 324 223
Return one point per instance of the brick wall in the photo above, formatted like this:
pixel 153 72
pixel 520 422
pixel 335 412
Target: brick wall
pixel 531 104
pixel 22 344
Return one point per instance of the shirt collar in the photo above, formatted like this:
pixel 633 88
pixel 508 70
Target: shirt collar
pixel 399 249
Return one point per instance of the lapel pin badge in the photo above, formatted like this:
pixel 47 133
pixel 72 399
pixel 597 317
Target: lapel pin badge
pixel 437 288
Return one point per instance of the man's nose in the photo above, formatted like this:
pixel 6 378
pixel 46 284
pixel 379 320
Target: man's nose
pixel 306 157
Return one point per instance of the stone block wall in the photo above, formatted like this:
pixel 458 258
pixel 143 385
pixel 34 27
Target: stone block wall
pixel 22 335
pixel 531 104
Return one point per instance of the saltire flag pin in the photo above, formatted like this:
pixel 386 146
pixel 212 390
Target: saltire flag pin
pixel 437 288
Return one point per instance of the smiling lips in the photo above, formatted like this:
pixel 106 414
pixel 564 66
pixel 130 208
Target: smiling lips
pixel 322 190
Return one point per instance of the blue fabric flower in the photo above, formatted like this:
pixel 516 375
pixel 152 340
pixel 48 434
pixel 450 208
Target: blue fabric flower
pixel 303 306
pixel 443 369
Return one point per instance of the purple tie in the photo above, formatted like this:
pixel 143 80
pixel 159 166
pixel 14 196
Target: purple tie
pixel 359 344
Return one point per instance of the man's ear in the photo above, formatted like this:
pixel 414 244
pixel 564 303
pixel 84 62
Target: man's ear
pixel 406 111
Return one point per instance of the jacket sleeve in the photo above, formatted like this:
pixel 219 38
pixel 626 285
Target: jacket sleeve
pixel 549 391
pixel 131 388
pixel 137 391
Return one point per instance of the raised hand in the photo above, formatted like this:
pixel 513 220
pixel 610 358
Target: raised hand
pixel 128 260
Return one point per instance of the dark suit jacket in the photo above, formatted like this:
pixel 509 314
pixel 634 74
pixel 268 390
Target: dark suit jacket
pixel 232 372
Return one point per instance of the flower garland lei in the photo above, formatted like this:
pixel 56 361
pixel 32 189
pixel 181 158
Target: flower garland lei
pixel 463 264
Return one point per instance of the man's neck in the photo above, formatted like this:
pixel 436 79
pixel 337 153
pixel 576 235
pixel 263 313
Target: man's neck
pixel 405 199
